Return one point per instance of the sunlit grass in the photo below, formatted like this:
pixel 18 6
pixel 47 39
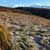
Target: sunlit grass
pixel 5 42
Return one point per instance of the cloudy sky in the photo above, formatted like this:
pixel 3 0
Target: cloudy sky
pixel 16 3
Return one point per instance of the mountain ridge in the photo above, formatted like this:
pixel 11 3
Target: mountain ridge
pixel 42 12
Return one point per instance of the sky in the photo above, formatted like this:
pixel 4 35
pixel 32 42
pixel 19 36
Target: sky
pixel 24 3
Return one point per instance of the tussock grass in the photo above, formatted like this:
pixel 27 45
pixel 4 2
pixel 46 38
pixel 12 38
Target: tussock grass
pixel 5 42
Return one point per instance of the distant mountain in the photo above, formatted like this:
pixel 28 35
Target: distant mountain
pixel 42 12
pixel 41 6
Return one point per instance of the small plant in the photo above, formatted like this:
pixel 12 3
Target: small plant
pixel 37 33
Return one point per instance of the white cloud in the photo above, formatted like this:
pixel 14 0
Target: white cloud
pixel 15 5
pixel 19 5
pixel 36 4
pixel 39 4
pixel 29 5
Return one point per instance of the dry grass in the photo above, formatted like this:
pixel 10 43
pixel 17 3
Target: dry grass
pixel 5 42
pixel 4 32
pixel 23 17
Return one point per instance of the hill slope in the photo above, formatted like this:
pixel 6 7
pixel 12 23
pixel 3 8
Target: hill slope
pixel 20 25
pixel 23 14
pixel 43 12
pixel 23 17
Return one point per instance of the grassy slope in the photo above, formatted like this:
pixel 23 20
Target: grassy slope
pixel 24 17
